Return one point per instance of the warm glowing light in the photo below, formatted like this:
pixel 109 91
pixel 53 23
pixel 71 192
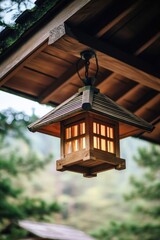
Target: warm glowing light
pixel 75 131
pixel 68 133
pixel 103 130
pixel 82 128
pixel 68 147
pixel 96 142
pixel 73 134
pixel 110 146
pixel 103 144
pixel 100 135
pixel 83 143
pixel 75 145
pixel 94 128
pixel 109 132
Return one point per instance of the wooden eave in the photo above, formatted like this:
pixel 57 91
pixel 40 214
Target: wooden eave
pixel 126 38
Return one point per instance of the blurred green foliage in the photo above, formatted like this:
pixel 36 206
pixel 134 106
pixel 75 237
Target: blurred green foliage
pixel 145 197
pixel 14 204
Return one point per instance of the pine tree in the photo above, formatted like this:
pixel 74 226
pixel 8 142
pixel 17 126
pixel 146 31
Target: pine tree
pixel 145 196
pixel 14 205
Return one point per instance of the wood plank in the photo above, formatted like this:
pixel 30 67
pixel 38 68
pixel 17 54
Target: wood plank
pixel 60 54
pixel 19 66
pixel 103 84
pixel 115 86
pixel 48 64
pixel 49 92
pixel 101 168
pixel 132 91
pixel 110 58
pixel 40 37
pixel 73 158
pixel 136 12
pixel 29 81
pixel 107 157
pixel 143 95
pixel 86 15
pixel 153 103
pixel 90 163
pixel 117 19
pixel 113 75
pixel 76 168
pixel 147 44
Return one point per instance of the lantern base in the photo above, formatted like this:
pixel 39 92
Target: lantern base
pixel 90 162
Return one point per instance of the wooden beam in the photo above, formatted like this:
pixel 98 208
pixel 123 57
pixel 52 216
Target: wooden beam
pixel 156 120
pixel 147 44
pixel 137 52
pixel 143 101
pixel 20 65
pixel 149 105
pixel 103 83
pixel 47 95
pixel 132 91
pixel 66 78
pixel 110 57
pixel 38 39
pixel 117 19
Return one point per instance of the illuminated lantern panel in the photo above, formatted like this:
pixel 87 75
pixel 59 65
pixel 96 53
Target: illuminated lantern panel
pixel 89 144
pixel 75 138
pixel 103 137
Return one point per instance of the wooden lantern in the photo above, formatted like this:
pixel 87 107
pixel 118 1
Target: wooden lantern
pixel 90 126
pixel 89 144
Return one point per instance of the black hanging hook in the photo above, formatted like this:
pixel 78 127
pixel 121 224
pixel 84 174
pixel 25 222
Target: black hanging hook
pixel 86 56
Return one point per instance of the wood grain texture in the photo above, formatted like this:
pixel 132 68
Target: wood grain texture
pixel 39 38
pixel 65 78
pixel 109 58
pixel 117 19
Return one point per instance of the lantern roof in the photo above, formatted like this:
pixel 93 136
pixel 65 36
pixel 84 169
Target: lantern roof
pixel 90 99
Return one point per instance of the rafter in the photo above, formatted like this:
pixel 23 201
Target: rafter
pixel 103 84
pixel 47 95
pixel 116 20
pixel 20 65
pixel 132 91
pixel 17 58
pixel 110 58
pixel 155 101
pixel 147 44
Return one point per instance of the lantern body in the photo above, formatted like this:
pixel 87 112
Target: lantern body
pixel 89 144
pixel 90 125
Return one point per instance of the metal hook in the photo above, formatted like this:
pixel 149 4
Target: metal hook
pixel 86 56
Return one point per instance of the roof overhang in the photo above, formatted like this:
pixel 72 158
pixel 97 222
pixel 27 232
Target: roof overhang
pixel 42 67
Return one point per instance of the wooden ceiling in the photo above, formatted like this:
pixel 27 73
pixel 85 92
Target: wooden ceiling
pixel 126 38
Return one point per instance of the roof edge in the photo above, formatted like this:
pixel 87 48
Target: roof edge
pixel 89 99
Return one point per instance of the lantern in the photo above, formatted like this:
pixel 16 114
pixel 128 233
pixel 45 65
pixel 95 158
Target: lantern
pixel 90 126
